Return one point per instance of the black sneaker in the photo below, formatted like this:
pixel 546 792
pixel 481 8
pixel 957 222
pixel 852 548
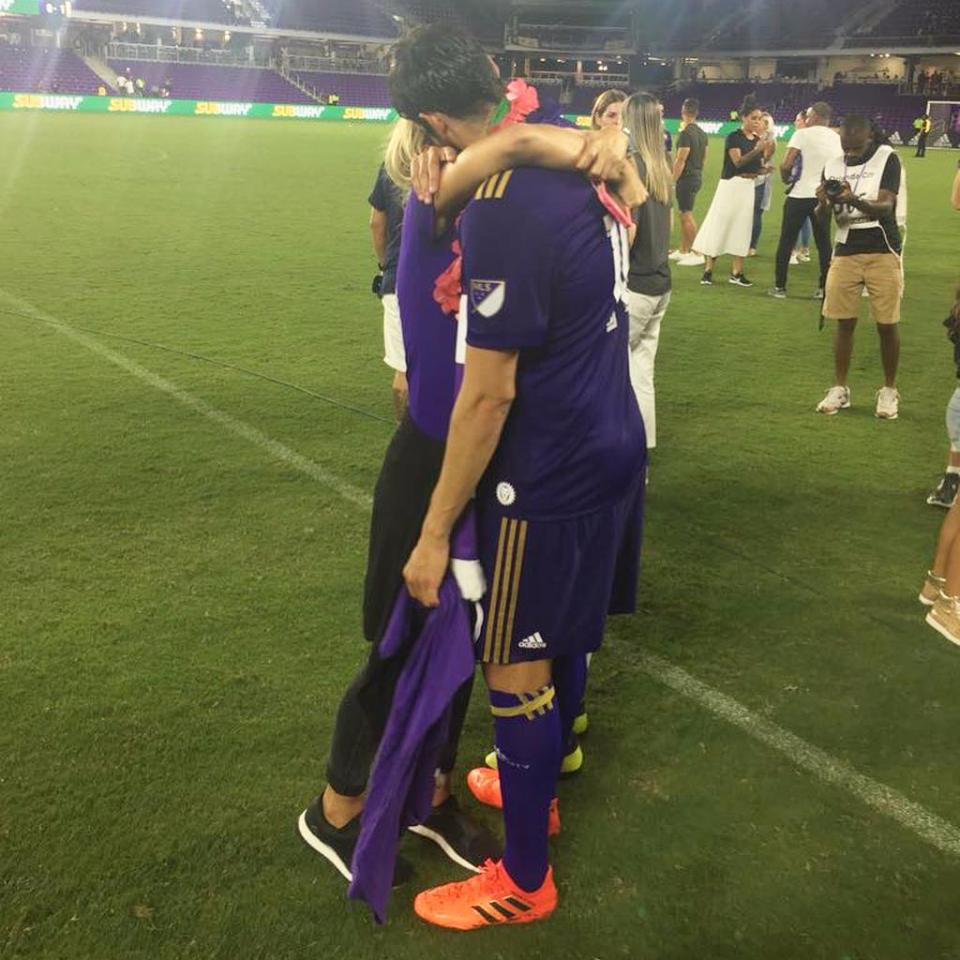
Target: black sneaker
pixel 946 491
pixel 778 293
pixel 819 295
pixel 337 846
pixel 740 280
pixel 464 841
pixel 707 279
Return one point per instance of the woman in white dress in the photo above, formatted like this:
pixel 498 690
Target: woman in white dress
pixel 728 224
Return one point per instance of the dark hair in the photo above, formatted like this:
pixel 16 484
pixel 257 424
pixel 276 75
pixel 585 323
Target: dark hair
pixel 823 110
pixel 439 68
pixel 691 106
pixel 858 125
pixel 749 105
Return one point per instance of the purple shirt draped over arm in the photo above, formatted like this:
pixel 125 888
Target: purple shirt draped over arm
pixel 401 783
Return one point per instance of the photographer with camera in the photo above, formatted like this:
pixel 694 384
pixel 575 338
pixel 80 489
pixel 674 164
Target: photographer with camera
pixel 861 190
pixel 386 218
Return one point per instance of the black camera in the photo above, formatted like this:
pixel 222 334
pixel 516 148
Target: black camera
pixel 376 285
pixel 834 188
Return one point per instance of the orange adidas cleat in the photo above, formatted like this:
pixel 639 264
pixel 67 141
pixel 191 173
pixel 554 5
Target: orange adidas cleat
pixel 487 900
pixel 484 784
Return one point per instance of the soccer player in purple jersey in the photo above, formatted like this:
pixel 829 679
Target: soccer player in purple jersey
pixel 464 83
pixel 547 432
pixel 330 825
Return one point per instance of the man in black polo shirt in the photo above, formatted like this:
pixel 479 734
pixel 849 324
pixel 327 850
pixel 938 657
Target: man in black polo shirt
pixel 688 176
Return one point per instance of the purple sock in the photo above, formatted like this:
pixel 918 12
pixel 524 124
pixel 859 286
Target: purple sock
pixel 528 757
pixel 570 680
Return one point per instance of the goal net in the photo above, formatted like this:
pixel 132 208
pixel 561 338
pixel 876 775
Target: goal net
pixel 945 119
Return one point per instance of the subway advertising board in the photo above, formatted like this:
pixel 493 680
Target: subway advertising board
pixel 27 8
pixel 67 103
pixel 75 103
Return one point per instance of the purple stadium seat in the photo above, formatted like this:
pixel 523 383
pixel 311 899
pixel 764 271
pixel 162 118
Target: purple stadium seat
pixel 202 82
pixel 364 18
pixel 37 70
pixel 354 89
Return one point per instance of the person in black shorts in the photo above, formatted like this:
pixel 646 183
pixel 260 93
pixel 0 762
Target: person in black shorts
pixel 688 176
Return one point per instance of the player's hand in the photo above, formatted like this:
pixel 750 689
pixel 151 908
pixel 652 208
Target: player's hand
pixel 628 186
pixel 602 153
pixel 769 148
pixel 426 568
pixel 425 171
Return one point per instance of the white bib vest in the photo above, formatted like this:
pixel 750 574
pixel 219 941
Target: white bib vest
pixel 864 180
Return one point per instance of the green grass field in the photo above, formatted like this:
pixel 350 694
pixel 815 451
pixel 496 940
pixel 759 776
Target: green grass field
pixel 179 605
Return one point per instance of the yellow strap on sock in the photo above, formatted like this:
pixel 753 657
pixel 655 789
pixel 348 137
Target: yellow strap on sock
pixel 538 703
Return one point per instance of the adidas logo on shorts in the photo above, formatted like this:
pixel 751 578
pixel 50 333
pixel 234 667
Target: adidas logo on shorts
pixel 533 642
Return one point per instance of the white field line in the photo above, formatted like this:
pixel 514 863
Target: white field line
pixel 928 826
pixel 277 450
pixel 937 832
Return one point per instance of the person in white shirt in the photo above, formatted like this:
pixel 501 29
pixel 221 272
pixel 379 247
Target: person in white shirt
pixel 809 150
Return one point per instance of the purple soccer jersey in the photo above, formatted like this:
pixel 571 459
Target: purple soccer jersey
pixel 545 271
pixel 429 334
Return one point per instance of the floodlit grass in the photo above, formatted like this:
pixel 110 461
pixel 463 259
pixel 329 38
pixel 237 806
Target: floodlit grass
pixel 179 609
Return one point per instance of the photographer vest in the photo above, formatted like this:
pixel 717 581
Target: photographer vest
pixel 864 180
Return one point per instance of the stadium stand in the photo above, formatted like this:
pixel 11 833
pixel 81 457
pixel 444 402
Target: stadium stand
pixel 353 89
pixel 201 11
pixel 878 101
pixel 38 70
pixel 778 25
pixel 484 18
pixel 935 21
pixel 202 82
pixel 363 18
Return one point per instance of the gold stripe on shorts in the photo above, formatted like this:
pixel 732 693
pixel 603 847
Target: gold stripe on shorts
pixel 501 610
pixel 515 589
pixel 505 590
pixel 494 593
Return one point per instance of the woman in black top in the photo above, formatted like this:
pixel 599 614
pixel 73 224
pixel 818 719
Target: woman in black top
pixel 729 221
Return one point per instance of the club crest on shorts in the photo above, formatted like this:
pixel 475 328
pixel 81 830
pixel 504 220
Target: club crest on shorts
pixel 487 296
pixel 506 494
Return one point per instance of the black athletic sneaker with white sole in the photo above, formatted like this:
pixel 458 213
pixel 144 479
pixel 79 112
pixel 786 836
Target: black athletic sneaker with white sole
pixel 946 491
pixel 707 279
pixel 337 845
pixel 464 841
pixel 740 280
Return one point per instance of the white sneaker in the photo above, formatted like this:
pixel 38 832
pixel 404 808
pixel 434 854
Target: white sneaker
pixel 803 257
pixel 677 255
pixel 837 399
pixel 691 260
pixel 888 403
pixel 794 260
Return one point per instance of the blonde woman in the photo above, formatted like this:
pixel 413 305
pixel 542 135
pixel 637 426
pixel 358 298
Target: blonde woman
pixel 649 282
pixel 608 110
pixel 763 186
pixel 726 228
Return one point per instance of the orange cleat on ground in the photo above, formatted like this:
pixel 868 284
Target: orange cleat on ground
pixel 487 900
pixel 484 784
